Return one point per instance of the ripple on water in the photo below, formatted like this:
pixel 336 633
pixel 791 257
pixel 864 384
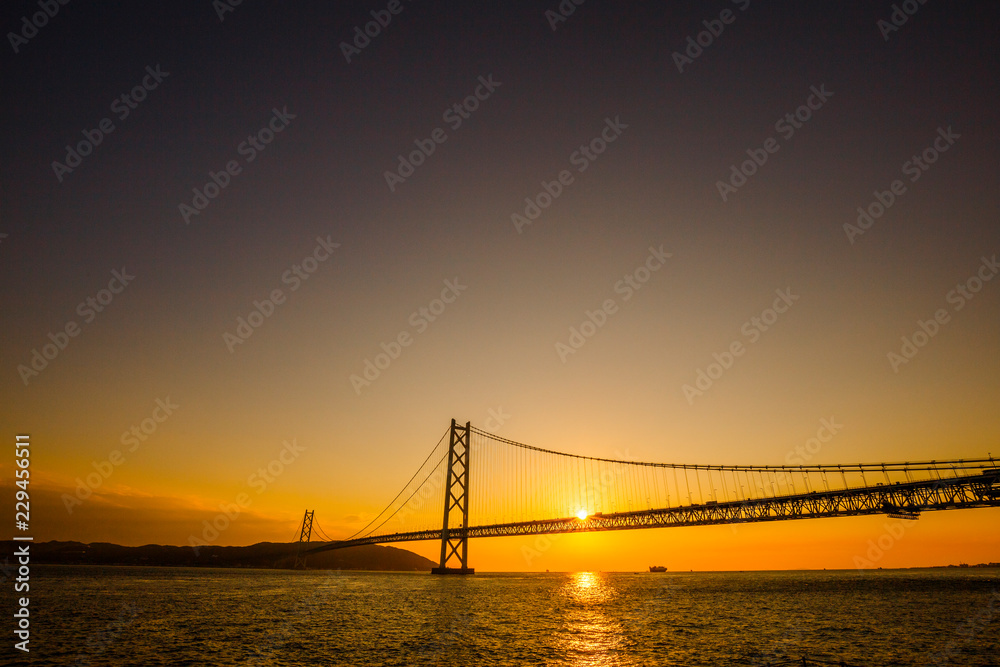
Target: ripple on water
pixel 168 616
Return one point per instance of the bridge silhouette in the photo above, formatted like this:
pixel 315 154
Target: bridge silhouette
pixel 510 488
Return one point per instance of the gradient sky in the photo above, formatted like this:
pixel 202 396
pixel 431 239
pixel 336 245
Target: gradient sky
pixel 495 347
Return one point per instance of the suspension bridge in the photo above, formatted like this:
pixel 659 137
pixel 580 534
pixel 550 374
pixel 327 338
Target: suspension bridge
pixel 490 486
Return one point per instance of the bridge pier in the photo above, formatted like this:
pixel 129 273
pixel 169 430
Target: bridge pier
pixel 453 570
pixel 456 497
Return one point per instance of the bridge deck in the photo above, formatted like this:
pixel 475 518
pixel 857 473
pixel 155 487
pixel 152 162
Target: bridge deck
pixel 903 499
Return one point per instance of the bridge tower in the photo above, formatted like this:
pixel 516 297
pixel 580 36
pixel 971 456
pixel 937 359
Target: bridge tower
pixel 304 537
pixel 307 526
pixel 456 498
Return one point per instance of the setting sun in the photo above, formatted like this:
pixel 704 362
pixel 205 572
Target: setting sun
pixel 320 317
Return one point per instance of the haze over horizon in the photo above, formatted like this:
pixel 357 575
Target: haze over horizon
pixel 579 233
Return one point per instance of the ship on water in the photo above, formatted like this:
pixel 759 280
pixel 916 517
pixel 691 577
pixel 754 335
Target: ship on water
pixel 657 568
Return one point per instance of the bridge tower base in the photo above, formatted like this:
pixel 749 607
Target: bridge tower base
pixel 455 541
pixel 453 570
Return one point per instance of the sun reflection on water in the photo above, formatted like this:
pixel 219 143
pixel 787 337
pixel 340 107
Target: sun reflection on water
pixel 589 637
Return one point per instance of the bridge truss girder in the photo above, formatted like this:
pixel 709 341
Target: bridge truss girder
pixel 911 498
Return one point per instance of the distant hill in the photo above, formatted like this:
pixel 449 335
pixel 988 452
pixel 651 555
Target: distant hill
pixel 262 555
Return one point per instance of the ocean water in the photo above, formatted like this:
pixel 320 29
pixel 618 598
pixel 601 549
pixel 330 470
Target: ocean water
pixel 89 615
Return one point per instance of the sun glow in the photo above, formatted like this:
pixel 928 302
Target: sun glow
pixel 582 515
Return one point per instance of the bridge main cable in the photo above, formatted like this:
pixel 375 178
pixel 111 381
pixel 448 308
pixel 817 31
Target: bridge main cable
pixel 403 490
pixel 916 466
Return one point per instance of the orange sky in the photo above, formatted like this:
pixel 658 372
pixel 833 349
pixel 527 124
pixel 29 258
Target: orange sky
pixel 322 270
